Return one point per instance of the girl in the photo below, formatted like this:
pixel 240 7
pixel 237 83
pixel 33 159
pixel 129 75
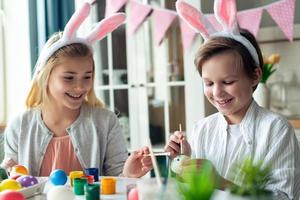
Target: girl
pixel 66 126
pixel 230 64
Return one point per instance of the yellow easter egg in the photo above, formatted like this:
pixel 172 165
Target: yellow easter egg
pixel 10 184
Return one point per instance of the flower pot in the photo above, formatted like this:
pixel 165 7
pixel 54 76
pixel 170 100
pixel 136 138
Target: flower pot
pixel 262 95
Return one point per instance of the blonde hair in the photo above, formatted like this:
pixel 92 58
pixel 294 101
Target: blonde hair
pixel 38 93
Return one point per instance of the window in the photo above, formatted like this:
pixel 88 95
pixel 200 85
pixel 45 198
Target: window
pixel 2 70
pixel 15 65
pixel 152 89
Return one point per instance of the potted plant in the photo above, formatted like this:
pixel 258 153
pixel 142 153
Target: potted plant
pixel 262 93
pixel 197 183
pixel 255 178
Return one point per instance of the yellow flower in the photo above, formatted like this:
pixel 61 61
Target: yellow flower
pixel 268 69
pixel 272 59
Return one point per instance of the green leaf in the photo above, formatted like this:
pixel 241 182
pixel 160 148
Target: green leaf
pixel 256 177
pixel 199 183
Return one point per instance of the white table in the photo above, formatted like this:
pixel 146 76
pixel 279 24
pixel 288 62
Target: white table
pixel 120 190
pixel 122 183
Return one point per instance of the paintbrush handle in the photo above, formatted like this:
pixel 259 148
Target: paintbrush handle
pixel 159 154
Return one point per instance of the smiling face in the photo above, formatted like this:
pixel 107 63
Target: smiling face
pixel 70 81
pixel 227 86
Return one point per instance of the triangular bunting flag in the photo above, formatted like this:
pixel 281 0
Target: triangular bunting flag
pixel 212 19
pixel 187 35
pixel 138 13
pixel 250 20
pixel 113 6
pixel 162 21
pixel 283 13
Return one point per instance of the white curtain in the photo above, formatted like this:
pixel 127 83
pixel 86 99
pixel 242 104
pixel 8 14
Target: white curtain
pixel 2 69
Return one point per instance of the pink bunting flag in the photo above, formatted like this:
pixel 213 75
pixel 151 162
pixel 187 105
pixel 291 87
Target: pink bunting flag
pixel 113 6
pixel 283 13
pixel 162 21
pixel 138 13
pixel 250 19
pixel 187 35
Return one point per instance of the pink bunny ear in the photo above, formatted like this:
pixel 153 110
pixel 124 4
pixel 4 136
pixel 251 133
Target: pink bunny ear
pixel 226 14
pixel 195 19
pixel 105 26
pixel 76 20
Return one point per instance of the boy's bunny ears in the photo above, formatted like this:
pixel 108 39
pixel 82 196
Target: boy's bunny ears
pixel 226 14
pixel 104 27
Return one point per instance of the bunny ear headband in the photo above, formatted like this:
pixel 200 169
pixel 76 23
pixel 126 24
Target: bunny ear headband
pixel 226 14
pixel 103 28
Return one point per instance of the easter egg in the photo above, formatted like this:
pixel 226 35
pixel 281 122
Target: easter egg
pixel 58 177
pixel 11 195
pixel 27 180
pixel 19 169
pixel 60 193
pixel 176 165
pixel 3 174
pixel 10 184
pixel 15 176
pixel 133 194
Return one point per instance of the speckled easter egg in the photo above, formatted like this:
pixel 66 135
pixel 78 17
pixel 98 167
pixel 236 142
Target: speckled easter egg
pixel 58 177
pixel 176 165
pixel 60 193
pixel 11 195
pixel 27 180
pixel 10 184
pixel 19 169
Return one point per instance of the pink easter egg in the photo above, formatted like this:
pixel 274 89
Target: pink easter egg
pixel 133 194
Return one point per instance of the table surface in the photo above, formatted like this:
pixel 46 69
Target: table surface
pixel 121 185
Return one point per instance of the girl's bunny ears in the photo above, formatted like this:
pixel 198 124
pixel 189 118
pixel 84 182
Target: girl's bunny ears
pixel 104 27
pixel 226 14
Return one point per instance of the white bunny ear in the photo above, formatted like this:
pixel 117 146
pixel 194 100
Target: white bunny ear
pixel 226 14
pixel 105 26
pixel 195 19
pixel 76 20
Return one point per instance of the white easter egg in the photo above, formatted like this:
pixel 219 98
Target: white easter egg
pixel 176 165
pixel 60 192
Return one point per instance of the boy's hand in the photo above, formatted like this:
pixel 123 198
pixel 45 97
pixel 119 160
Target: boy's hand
pixel 173 145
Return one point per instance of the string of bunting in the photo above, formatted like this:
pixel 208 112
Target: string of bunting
pixel 282 12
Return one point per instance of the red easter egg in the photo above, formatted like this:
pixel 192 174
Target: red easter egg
pixel 133 194
pixel 11 195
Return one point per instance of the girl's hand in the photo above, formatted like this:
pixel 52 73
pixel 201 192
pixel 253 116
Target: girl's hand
pixel 7 164
pixel 137 165
pixel 173 145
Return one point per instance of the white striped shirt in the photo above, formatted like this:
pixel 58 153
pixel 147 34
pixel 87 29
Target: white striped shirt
pixel 267 136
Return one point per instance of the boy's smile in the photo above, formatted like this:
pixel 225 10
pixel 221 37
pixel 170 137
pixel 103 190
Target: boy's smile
pixel 227 86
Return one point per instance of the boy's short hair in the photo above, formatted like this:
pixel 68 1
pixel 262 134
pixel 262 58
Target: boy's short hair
pixel 217 45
